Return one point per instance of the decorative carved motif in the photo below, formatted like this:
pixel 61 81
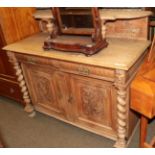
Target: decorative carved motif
pixel 43 88
pixel 92 101
pixel 121 108
pixel 28 107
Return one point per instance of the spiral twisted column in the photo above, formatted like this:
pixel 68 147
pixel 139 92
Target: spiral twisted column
pixel 20 78
pixel 121 108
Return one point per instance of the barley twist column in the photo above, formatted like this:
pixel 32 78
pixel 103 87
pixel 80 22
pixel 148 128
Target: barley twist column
pixel 121 108
pixel 28 107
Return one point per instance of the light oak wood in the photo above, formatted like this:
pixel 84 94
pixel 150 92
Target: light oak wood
pixel 42 86
pixel 91 93
pixel 111 19
pixel 80 108
pixel 22 84
pixel 93 103
pixel 106 14
pixel 113 14
pixel 134 24
pixel 70 88
pixel 131 28
pixel 120 54
pixel 121 107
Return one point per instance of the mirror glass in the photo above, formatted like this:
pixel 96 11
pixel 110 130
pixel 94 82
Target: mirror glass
pixel 75 18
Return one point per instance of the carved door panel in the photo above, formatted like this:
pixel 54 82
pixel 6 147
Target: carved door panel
pixel 94 102
pixel 64 95
pixel 41 84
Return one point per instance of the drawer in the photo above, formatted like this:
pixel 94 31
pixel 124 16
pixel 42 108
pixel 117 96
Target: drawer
pixel 30 59
pixel 10 89
pixel 70 67
pixel 86 70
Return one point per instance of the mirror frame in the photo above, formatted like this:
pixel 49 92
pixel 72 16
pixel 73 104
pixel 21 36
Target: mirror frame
pixel 79 31
pixel 95 34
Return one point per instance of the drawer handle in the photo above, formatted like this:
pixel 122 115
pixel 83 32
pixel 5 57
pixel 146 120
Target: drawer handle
pixel 84 71
pixel 31 61
pixel 12 90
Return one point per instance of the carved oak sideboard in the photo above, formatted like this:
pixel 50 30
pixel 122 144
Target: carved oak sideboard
pixel 89 92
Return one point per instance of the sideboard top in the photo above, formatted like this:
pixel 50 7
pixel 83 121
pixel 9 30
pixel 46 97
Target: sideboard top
pixel 106 14
pixel 113 14
pixel 120 53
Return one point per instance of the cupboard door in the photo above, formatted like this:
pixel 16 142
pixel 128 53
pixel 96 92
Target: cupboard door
pixel 94 102
pixel 63 90
pixel 41 85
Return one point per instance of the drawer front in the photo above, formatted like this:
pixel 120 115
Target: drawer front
pixel 86 70
pixel 10 89
pixel 76 68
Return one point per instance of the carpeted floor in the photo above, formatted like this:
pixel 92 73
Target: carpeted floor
pixel 19 130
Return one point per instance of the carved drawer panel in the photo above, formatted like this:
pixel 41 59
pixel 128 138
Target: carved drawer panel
pixel 80 69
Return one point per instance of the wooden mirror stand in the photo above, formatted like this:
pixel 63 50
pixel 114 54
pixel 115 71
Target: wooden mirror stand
pixel 76 30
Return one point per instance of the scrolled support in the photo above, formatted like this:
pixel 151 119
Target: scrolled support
pixel 20 78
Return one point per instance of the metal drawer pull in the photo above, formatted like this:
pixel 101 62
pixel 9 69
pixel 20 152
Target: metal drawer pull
pixel 12 90
pixel 31 61
pixel 84 71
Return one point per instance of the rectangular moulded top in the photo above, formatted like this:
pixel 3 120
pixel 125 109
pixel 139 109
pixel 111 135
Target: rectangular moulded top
pixel 120 53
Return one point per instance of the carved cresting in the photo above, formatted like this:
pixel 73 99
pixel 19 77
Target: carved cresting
pixel 121 108
pixel 28 107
